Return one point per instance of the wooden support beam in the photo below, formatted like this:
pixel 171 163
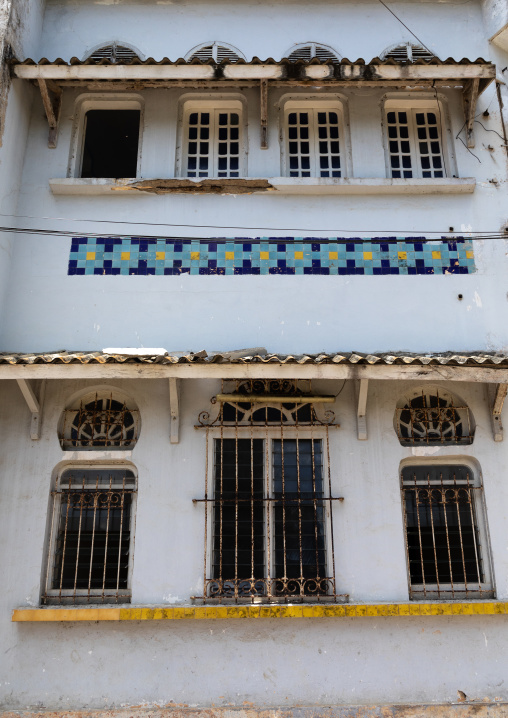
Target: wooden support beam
pixel 470 96
pixel 35 406
pixel 263 86
pixel 174 405
pixel 496 394
pixel 361 393
pixel 52 100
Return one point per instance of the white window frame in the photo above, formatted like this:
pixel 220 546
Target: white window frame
pixel 68 595
pixel 270 434
pixel 478 592
pixel 316 103
pixel 219 103
pixel 405 102
pixel 102 101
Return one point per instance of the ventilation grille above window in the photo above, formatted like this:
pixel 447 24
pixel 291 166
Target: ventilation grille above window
pixel 215 52
pixel 114 53
pixel 408 53
pixel 312 50
pixel 434 419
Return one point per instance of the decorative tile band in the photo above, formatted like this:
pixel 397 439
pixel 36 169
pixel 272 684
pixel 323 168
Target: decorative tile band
pixel 270 255
pixel 358 610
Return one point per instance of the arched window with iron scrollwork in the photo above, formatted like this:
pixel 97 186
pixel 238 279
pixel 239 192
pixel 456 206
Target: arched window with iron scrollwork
pixel 433 417
pixel 268 494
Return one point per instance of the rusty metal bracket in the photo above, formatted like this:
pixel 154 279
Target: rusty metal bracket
pixel 470 97
pixel 174 405
pixel 496 394
pixel 263 87
pixel 51 95
pixel 361 393
pixel 35 405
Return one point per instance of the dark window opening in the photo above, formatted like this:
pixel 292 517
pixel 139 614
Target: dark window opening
pixel 111 143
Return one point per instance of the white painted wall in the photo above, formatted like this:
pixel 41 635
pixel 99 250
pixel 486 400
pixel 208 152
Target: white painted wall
pixel 276 662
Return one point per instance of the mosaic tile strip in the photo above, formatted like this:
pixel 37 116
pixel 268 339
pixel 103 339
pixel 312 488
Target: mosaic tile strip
pixel 270 255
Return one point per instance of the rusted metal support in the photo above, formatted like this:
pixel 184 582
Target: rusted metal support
pixel 35 405
pixel 263 87
pixel 174 405
pixel 470 97
pixel 496 394
pixel 52 100
pixel 361 393
pixel 501 107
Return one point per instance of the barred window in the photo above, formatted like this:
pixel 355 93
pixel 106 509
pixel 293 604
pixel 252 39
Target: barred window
pixel 446 537
pixel 270 507
pixel 434 417
pixel 100 421
pixel 90 554
pixel 415 146
pixel 213 141
pixel 314 142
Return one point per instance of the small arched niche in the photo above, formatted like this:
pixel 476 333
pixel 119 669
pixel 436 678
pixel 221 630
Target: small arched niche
pixel 430 416
pixel 102 419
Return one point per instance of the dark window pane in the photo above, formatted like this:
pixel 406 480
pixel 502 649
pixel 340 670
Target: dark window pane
pixel 111 143
pixel 391 117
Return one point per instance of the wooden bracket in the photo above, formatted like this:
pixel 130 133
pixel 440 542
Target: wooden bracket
pixel 361 393
pixel 496 394
pixel 35 405
pixel 174 405
pixel 263 86
pixel 51 95
pixel 470 97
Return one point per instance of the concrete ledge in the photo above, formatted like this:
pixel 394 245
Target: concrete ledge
pixel 155 613
pixel 318 186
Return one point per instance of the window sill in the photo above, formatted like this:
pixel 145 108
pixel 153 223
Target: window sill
pixel 359 610
pixel 248 185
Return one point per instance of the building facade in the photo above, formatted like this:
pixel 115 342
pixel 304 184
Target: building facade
pixel 254 356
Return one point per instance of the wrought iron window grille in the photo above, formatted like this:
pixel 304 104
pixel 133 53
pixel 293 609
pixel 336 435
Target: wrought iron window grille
pixel 268 501
pixel 103 423
pixel 89 555
pixel 445 527
pixel 435 420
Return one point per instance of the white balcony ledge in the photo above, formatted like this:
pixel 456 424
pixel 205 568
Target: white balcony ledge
pixel 249 185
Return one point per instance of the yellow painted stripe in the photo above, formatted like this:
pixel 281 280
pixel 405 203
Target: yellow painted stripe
pixel 353 610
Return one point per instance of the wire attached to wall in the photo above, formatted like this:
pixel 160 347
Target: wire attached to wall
pixel 407 28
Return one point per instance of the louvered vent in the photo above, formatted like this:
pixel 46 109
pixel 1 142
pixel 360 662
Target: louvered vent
pixel 215 52
pixel 408 53
pixel 311 51
pixel 114 53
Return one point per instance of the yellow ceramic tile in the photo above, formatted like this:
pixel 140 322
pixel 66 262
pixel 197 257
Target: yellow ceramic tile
pixel 109 614
pixel 160 255
pixel 90 255
pixel 414 609
pixel 446 609
pixel 457 609
pixel 276 611
pixel 262 255
pixel 189 611
pixel 367 255
pixel 436 255
pixel 350 611
pixel 125 255
pixel 254 612
pixel 470 254
pixel 264 612
pixel 361 610
pixel 404 609
pixel 318 611
pixel 402 255
pixel 426 609
pixel 298 255
pixel 230 255
pixel 199 612
pixel 371 611
pixel 194 256
pixel 335 255
pixel 293 612
pixel 178 612
pixel 211 612
pixel 222 612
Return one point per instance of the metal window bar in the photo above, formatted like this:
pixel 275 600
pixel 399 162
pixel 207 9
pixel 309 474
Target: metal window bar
pixel 444 551
pixel 101 423
pixel 434 420
pixel 313 145
pixel 89 551
pixel 268 495
pixel 213 144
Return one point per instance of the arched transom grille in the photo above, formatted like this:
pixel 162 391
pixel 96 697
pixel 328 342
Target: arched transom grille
pixel 408 53
pixel 268 501
pixel 114 53
pixel 435 419
pixel 217 52
pixel 103 422
pixel 311 50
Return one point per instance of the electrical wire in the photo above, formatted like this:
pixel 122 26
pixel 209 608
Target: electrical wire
pixel 407 28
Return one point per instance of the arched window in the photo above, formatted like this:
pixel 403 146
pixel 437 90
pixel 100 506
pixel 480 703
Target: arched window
pixel 310 50
pixel 114 53
pixel 216 51
pixel 407 52
pixel 100 420
pixel 433 417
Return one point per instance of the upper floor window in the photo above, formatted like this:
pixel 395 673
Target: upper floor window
pixel 414 139
pixel 309 50
pixel 114 53
pixel 407 52
pixel 216 51
pixel 314 143
pixel 213 139
pixel 433 417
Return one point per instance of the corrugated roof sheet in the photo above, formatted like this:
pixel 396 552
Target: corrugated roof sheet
pixel 487 359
